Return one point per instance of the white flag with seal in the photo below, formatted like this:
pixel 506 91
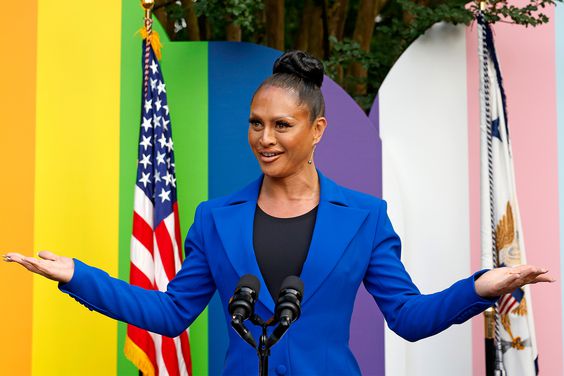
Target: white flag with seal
pixel 517 331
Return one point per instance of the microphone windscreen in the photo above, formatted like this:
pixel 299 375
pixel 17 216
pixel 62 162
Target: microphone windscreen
pixel 293 282
pixel 250 281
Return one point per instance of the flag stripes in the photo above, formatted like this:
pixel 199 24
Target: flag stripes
pixel 156 255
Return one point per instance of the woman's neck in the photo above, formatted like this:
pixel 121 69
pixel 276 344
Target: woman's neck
pixel 290 196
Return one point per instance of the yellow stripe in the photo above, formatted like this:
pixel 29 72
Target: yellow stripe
pixel 77 172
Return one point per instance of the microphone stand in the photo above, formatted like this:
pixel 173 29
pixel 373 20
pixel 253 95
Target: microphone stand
pixel 263 348
pixel 266 342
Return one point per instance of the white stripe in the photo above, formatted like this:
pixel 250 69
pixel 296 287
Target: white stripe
pixel 180 357
pixel 424 131
pixel 170 224
pixel 142 259
pixel 158 340
pixel 161 279
pixel 143 206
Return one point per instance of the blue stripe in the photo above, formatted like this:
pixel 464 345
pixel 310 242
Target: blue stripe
pixel 235 71
pixel 559 24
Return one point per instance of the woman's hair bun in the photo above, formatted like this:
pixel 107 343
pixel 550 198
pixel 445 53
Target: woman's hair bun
pixel 301 64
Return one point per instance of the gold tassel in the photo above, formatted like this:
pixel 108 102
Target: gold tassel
pixel 155 41
pixel 138 357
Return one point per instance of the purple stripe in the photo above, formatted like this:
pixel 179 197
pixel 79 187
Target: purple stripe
pixel 351 154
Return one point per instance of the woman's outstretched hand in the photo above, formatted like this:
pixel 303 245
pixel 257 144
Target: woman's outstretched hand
pixel 50 265
pixel 501 281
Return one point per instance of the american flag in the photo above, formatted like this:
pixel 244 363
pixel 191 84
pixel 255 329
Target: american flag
pixel 156 255
pixel 510 301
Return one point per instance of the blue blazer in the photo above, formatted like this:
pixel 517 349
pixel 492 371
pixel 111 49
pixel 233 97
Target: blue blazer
pixel 353 242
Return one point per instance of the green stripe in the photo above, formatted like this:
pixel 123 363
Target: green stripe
pixel 185 71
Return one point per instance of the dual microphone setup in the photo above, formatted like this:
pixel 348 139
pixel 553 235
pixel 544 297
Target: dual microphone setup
pixel 287 310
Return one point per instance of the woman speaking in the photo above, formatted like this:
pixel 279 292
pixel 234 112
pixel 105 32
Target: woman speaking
pixel 292 220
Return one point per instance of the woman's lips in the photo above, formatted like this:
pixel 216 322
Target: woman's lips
pixel 269 156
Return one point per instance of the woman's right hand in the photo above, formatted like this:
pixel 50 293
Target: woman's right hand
pixel 50 265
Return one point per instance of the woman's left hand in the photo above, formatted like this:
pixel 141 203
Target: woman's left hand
pixel 500 281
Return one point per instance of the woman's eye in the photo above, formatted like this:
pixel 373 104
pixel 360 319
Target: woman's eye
pixel 282 124
pixel 255 124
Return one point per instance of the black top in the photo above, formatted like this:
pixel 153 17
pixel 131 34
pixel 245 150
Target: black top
pixel 281 246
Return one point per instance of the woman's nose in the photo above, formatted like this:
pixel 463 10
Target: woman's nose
pixel 268 136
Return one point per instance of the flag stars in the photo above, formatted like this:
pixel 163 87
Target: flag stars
pixel 158 177
pixel 153 83
pixel 145 178
pixel 154 67
pixel 160 158
pixel 158 103
pixel 164 195
pixel 167 178
pixel 169 144
pixel 166 108
pixel 165 124
pixel 148 105
pixel 145 161
pixel 146 142
pixel 161 88
pixel 146 124
pixel 157 121
pixel 162 140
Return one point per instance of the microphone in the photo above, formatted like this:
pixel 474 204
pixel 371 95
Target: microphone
pixel 242 305
pixel 288 307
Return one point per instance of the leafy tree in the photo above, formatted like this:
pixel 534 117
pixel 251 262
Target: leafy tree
pixel 358 40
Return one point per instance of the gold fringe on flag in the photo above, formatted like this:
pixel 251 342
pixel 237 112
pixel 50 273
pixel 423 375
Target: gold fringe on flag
pixel 155 41
pixel 138 357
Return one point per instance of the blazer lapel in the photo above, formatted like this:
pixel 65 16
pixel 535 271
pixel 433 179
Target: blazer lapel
pixel 335 227
pixel 234 223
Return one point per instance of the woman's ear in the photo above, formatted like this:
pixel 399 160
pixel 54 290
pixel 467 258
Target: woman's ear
pixel 319 126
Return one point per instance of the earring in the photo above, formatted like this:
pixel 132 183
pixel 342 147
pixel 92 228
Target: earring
pixel 310 161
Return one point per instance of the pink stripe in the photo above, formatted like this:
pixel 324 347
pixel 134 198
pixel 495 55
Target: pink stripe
pixel 528 66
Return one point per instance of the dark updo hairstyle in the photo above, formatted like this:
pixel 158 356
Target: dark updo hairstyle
pixel 301 73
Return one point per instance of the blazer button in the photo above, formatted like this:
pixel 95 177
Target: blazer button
pixel 281 369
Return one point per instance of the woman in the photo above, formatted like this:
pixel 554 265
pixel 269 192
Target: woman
pixel 290 221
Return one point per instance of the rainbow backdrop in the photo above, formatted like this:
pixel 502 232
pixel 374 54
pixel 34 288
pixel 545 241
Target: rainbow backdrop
pixel 71 108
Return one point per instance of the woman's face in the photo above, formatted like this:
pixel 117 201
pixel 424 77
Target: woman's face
pixel 281 134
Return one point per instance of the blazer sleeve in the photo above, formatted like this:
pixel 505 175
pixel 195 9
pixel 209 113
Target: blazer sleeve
pixel 168 313
pixel 409 313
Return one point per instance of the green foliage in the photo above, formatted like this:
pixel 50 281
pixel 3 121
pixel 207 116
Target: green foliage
pixel 240 12
pixel 403 21
pixel 399 23
pixel 529 15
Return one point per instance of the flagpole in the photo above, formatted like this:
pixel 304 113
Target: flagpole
pixel 499 369
pixel 148 6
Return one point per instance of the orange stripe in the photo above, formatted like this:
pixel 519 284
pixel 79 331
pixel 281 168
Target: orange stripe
pixel 17 151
